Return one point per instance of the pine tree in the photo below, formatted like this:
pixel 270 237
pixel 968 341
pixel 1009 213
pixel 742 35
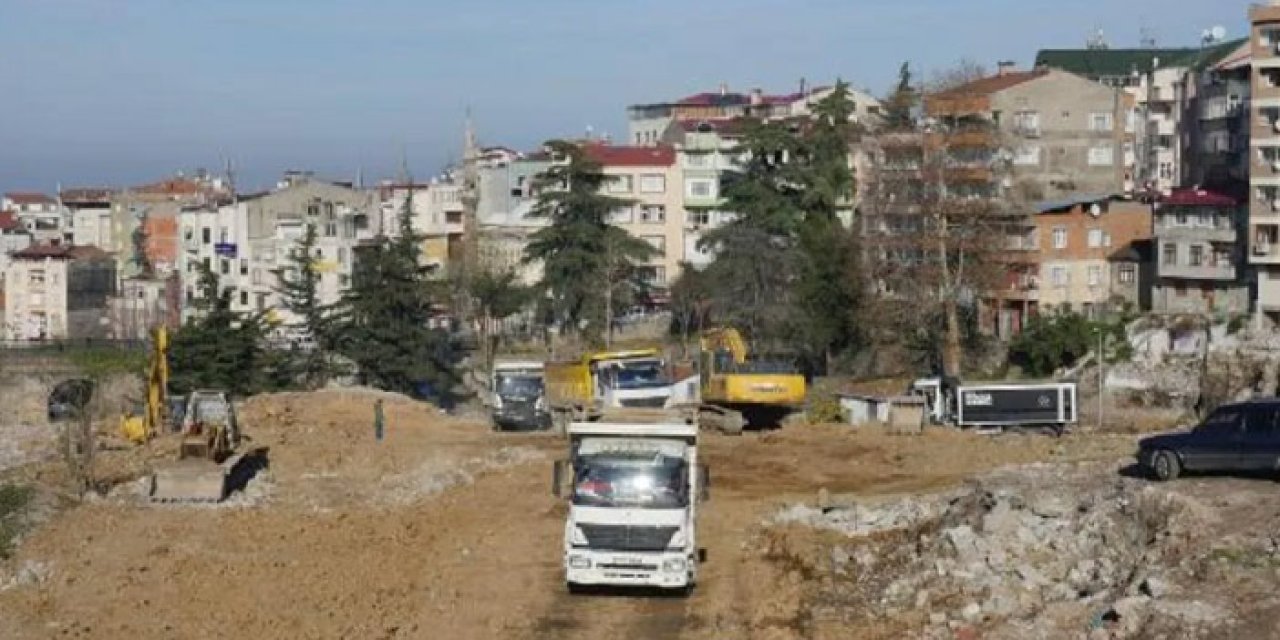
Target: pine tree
pixel 218 348
pixel 900 107
pixel 299 289
pixel 584 258
pixel 382 320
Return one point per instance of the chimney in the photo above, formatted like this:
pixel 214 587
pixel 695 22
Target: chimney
pixel 724 88
pixel 757 97
pixel 1006 67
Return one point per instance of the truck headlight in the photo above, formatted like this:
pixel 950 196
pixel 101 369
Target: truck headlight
pixel 579 562
pixel 673 565
pixel 577 537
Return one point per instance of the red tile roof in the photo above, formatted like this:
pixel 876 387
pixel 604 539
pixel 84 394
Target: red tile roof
pixel 993 84
pixel 87 194
pixel 619 156
pixel 1198 197
pixel 8 221
pixel 29 197
pixel 172 186
pixel 42 251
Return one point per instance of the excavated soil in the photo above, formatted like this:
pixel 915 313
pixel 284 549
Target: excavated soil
pixel 446 529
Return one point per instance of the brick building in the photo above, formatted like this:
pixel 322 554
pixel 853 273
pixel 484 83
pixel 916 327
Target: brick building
pixel 1078 238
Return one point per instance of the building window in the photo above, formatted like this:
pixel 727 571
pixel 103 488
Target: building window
pixel 206 235
pixel 224 266
pixel 1095 238
pixel 700 188
pixel 1059 237
pixel 653 184
pixel 1166 170
pixel 1197 255
pixel 35 277
pixel 1101 155
pixel 698 218
pixel 1027 156
pixel 244 298
pixel 1100 121
pixel 244 266
pixel 695 160
pixel 620 184
pixel 621 215
pixel 1181 218
pixel 1027 123
pixel 1126 274
pixel 342 255
pixel 1059 276
pixel 653 213
pixel 187 233
pixel 222 234
pixel 1170 254
pixel 1095 276
pixel 659 243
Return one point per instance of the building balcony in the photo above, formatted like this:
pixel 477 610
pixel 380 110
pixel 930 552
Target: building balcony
pixel 1200 272
pixel 1211 234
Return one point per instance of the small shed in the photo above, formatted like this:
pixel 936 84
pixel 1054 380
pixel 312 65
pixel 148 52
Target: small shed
pixel 860 409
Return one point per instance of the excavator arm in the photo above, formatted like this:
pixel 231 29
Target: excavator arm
pixel 725 339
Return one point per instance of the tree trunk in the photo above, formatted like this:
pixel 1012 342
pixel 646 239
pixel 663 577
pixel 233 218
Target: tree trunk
pixel 952 352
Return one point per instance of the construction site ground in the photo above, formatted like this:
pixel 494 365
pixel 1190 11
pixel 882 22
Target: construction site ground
pixel 446 529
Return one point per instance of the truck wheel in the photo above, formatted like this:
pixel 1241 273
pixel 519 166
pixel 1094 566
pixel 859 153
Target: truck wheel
pixel 1165 466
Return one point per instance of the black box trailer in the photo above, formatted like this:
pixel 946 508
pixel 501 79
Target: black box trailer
pixel 1013 404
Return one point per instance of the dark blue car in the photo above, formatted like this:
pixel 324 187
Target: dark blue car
pixel 1243 436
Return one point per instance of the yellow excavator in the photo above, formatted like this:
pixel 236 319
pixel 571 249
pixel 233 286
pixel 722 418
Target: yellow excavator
pixel 209 436
pixel 739 390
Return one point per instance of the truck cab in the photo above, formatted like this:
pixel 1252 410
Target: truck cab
pixel 633 490
pixel 517 398
pixel 633 382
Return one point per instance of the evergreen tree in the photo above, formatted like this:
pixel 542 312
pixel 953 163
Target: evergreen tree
pixel 299 289
pixel 382 319
pixel 218 348
pixel 900 106
pixel 583 256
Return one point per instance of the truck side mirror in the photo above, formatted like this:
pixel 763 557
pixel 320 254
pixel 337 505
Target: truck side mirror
pixel 704 483
pixel 561 477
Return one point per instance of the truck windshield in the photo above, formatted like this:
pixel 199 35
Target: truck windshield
pixel 632 481
pixel 639 375
pixel 519 386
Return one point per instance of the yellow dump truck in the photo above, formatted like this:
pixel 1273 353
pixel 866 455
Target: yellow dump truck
pixel 738 390
pixel 581 389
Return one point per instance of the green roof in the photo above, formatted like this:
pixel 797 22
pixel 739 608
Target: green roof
pixel 1096 63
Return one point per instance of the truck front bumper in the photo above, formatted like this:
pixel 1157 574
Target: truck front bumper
pixel 667 570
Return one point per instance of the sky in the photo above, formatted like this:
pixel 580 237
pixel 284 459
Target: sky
pixel 120 92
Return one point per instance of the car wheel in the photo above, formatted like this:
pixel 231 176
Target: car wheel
pixel 1165 466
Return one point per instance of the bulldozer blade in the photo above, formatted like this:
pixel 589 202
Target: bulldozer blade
pixel 190 480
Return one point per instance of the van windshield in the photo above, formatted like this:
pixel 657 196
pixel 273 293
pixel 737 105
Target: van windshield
pixel 652 481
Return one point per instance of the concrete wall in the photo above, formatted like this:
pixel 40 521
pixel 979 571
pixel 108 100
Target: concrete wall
pixel 1065 104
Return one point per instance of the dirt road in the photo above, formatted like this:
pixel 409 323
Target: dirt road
pixel 446 530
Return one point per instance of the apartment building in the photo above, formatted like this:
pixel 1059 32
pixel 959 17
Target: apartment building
pixel 56 292
pixel 13 237
pixel 705 150
pixel 506 197
pixel 648 124
pixel 1162 83
pixel 1079 239
pixel 1264 156
pixel 436 215
pixel 1218 138
pixel 1199 268
pixel 89 212
pixel 245 242
pixel 1053 133
pixel 39 214
pixel 649 178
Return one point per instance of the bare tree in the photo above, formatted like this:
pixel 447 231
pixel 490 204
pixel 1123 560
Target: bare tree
pixel 963 72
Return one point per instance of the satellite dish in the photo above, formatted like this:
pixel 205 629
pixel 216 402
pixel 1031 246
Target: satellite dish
pixel 1095 210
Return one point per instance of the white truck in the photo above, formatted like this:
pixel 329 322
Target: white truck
pixel 633 484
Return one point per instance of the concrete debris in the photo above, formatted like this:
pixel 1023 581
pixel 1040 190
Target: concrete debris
pixel 29 573
pixel 435 476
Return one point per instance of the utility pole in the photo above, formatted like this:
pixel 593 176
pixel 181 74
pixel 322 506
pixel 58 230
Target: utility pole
pixel 1102 364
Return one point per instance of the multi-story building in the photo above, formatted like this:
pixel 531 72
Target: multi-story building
pixel 705 151
pixel 649 178
pixel 246 242
pixel 505 201
pixel 1199 268
pixel 89 211
pixel 1132 275
pixel 55 292
pixel 1217 133
pixel 1077 239
pixel 1264 143
pixel 437 216
pixel 153 210
pixel 648 124
pixel 13 237
pixel 1163 84
pixel 39 214
pixel 1061 133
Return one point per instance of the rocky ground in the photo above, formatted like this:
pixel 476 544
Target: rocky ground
pixel 447 529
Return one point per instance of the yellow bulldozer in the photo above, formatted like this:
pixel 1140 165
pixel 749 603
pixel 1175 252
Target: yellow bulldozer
pixel 208 438
pixel 740 390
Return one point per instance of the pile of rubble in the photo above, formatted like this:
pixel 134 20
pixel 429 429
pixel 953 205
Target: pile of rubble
pixel 1036 552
